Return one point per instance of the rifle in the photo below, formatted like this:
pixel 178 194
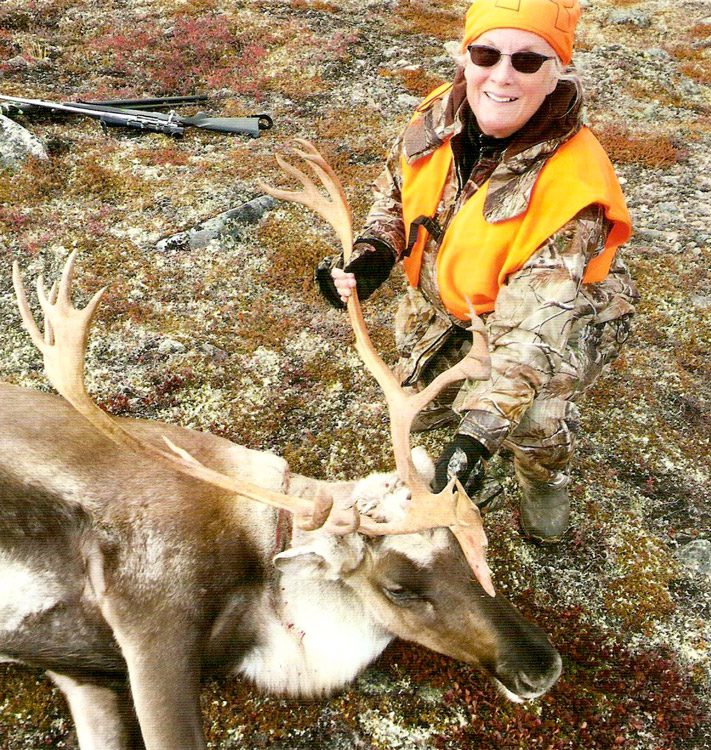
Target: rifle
pixel 172 123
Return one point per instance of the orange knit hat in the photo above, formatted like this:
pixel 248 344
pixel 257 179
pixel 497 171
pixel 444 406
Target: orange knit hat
pixel 553 20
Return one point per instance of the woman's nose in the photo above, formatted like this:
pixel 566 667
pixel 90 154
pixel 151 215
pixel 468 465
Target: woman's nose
pixel 503 70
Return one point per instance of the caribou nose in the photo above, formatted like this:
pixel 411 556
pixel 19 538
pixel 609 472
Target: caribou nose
pixel 520 684
pixel 529 686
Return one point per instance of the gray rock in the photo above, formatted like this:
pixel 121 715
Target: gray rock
pixel 217 354
pixel 17 63
pixel 407 101
pixel 656 235
pixel 658 52
pixel 630 17
pixel 170 346
pixel 222 225
pixel 696 556
pixel 17 144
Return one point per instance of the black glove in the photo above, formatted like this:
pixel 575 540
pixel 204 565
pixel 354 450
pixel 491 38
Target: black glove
pixel 371 268
pixel 324 280
pixel 464 458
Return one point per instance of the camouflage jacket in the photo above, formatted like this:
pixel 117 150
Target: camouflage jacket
pixel 543 308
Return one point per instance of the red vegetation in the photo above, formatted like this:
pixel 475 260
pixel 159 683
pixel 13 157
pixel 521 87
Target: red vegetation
pixel 192 54
pixel 608 697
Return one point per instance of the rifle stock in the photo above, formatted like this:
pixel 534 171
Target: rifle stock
pixel 249 125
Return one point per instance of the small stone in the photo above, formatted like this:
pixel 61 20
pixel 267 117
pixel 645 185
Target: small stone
pixel 658 52
pixel 630 17
pixel 214 352
pixel 696 556
pixel 170 346
pixel 17 63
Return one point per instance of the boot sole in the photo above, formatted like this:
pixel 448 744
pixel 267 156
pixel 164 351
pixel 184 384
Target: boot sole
pixel 543 540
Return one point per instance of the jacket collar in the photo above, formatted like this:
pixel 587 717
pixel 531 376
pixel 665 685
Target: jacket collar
pixel 511 183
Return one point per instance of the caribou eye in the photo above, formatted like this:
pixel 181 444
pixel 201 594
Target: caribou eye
pixel 402 596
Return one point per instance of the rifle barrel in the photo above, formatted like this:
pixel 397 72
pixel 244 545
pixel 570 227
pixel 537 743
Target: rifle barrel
pixel 170 123
pixel 160 101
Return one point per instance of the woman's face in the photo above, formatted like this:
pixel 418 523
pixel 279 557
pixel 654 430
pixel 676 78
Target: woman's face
pixel 502 99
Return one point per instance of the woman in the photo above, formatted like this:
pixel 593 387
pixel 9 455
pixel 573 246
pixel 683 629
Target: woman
pixel 496 195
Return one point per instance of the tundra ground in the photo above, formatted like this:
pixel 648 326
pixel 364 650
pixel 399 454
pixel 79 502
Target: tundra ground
pixel 230 336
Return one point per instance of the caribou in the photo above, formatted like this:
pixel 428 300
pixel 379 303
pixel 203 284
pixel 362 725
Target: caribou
pixel 137 557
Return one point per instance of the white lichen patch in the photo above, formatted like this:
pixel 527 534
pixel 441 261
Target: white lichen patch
pixel 388 732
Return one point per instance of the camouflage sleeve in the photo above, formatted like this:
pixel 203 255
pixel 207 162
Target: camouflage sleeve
pixel 529 328
pixel 384 224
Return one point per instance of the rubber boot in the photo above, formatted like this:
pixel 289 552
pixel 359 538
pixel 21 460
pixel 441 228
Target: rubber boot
pixel 545 509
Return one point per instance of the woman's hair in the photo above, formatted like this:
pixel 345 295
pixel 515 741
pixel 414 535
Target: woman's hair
pixel 568 73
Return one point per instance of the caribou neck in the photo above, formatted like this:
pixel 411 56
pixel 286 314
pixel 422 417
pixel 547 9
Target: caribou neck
pixel 305 648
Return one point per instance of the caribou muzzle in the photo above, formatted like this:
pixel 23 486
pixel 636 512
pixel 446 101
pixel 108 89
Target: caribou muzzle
pixel 529 670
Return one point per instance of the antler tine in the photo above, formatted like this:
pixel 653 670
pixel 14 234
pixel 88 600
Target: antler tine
pixel 25 313
pixel 325 172
pixel 333 208
pixel 48 332
pixel 338 206
pixel 64 364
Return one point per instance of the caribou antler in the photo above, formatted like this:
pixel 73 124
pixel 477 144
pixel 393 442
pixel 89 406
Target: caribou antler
pixel 63 347
pixel 451 507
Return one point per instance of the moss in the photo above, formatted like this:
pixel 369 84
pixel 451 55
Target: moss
pixel 638 593
pixel 92 178
pixel 37 180
pixel 696 67
pixel 700 31
pixel 319 5
pixel 195 7
pixel 417 81
pixel 651 150
pixel 28 700
pixel 667 94
pixel 171 155
pixel 436 19
pixel 293 251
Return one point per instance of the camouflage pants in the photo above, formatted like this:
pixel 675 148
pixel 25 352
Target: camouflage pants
pixel 543 442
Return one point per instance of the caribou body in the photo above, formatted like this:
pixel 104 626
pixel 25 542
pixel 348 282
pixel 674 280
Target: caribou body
pixel 137 557
pixel 128 581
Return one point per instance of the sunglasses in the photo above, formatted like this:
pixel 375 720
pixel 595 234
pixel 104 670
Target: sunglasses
pixel 523 62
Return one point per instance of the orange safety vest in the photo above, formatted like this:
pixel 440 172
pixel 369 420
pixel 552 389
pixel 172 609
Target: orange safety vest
pixel 476 256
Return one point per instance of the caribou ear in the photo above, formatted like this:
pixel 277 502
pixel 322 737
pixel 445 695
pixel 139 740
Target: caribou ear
pixel 301 562
pixel 326 557
pixel 423 463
